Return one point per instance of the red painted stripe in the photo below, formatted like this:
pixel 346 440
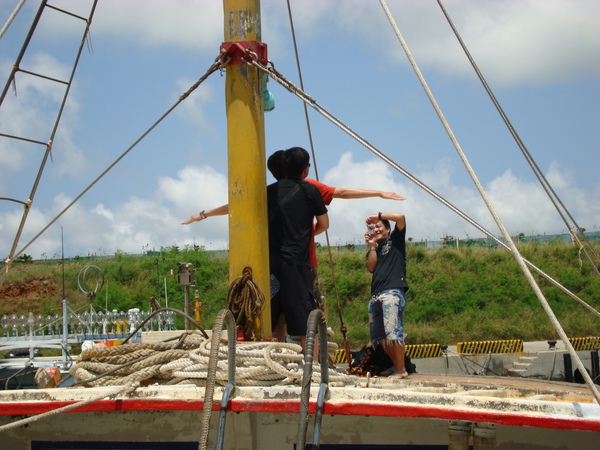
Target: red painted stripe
pixel 513 419
pixel 348 409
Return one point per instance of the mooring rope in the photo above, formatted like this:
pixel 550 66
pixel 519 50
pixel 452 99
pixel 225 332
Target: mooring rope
pixel 518 257
pixel 11 18
pixel 556 201
pixel 28 420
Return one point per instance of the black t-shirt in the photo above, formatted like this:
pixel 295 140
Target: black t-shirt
pixel 390 271
pixel 292 204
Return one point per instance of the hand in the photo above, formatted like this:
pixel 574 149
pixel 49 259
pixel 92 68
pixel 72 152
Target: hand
pixel 193 218
pixel 372 219
pixel 392 196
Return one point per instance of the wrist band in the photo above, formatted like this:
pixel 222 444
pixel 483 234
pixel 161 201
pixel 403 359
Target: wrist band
pixel 379 215
pixel 202 214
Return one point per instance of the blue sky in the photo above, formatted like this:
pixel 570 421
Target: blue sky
pixel 541 59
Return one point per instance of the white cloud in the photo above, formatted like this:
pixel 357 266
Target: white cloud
pixel 514 42
pixel 132 225
pixel 520 41
pixel 534 42
pixel 195 188
pixel 149 223
pixel 187 24
pixel 522 206
pixel 427 218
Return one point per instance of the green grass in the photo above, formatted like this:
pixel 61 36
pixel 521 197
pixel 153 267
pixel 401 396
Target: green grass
pixel 471 294
pixel 455 295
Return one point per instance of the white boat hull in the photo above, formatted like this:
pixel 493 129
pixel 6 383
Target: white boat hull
pixel 414 413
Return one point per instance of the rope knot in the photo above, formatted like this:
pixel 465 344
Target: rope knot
pixel 247 273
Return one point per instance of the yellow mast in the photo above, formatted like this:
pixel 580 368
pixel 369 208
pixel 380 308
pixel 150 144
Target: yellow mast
pixel 248 225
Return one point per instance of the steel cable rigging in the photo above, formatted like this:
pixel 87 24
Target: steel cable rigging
pixel 558 204
pixel 288 85
pixel 213 68
pixel 308 100
pixel 48 152
pixel 520 260
pixel 343 328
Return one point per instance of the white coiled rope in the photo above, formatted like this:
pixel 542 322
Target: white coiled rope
pixel 257 364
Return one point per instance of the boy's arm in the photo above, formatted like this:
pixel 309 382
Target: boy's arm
pixel 222 210
pixel 365 193
pixel 322 224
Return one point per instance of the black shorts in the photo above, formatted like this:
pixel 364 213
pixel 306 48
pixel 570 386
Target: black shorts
pixel 295 298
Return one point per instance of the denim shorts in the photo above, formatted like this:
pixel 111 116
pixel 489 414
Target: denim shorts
pixel 386 315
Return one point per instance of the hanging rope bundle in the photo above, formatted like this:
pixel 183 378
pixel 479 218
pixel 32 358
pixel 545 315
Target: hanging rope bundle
pixel 245 300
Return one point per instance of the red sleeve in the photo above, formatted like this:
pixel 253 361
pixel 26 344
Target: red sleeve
pixel 312 251
pixel 326 191
pixel 327 194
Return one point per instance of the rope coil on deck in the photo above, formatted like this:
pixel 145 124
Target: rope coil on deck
pixel 257 364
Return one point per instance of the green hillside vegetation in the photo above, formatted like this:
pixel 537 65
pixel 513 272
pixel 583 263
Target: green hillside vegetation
pixel 455 295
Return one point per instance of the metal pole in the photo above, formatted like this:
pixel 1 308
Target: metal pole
pixel 30 321
pixel 186 299
pixel 157 283
pixel 65 335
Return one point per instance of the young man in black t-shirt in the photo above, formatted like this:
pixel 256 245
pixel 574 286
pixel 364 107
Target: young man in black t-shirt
pixel 293 204
pixel 386 260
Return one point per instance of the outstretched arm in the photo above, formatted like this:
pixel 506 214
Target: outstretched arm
pixel 219 211
pixel 365 193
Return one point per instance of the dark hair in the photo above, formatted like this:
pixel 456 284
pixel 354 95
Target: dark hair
pixel 295 160
pixel 275 164
pixel 386 224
